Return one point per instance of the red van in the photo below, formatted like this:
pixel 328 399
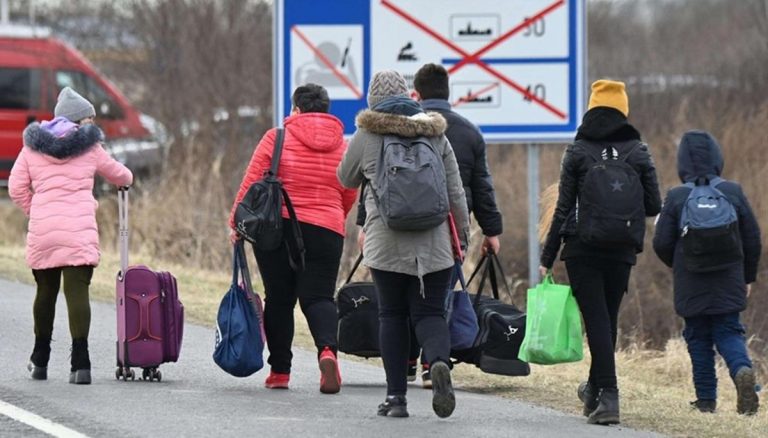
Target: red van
pixel 34 67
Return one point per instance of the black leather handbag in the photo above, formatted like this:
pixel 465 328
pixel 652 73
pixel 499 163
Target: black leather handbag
pixel 258 217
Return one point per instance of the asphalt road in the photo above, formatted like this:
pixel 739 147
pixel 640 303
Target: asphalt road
pixel 197 399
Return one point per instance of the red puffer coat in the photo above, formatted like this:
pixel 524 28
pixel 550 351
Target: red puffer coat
pixel 312 149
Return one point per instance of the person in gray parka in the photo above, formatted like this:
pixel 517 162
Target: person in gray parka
pixel 710 302
pixel 411 269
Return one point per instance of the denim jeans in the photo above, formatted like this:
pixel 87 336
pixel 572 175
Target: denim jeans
pixel 703 334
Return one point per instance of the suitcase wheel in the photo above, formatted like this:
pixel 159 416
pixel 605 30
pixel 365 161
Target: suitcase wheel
pixel 124 373
pixel 151 374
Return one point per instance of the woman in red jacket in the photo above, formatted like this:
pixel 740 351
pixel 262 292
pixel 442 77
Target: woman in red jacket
pixel 312 149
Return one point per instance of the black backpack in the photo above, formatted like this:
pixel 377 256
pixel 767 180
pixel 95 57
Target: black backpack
pixel 610 212
pixel 358 317
pixel 258 217
pixel 411 187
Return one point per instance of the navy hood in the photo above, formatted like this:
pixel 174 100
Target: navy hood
pixel 699 155
pixel 404 106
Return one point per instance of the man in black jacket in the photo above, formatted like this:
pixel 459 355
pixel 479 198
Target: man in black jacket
pixel 432 90
pixel 711 302
pixel 431 84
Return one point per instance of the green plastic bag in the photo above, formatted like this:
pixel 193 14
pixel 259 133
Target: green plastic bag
pixel 552 326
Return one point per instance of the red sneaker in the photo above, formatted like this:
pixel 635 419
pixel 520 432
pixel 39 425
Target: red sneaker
pixel 277 380
pixel 330 378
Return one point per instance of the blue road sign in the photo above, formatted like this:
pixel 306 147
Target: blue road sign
pixel 516 67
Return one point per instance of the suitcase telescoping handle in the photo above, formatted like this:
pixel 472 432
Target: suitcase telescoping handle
pixel 122 221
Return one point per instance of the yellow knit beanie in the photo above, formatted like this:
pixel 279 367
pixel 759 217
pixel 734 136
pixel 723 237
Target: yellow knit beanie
pixel 611 94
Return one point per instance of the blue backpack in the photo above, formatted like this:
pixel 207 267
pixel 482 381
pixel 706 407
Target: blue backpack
pixel 709 228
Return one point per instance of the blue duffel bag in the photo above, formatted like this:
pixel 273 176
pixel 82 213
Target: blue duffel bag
pixel 239 325
pixel 461 316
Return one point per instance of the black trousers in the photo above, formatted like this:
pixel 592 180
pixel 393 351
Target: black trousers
pixel 400 300
pixel 313 288
pixel 415 349
pixel 599 285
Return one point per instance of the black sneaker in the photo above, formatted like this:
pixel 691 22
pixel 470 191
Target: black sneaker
pixel 443 399
pixel 411 370
pixel 707 406
pixel 426 378
pixel 394 406
pixel 747 401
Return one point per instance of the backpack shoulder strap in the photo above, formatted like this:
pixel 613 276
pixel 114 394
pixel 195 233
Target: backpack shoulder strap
pixel 632 150
pixel 589 150
pixel 294 240
pixel 716 181
pixel 425 140
pixel 277 151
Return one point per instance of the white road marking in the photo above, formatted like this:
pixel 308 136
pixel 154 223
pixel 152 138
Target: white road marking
pixel 38 422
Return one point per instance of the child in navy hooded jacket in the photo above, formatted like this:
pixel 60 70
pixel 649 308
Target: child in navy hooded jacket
pixel 710 302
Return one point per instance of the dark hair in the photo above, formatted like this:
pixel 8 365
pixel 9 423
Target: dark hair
pixel 311 98
pixel 431 81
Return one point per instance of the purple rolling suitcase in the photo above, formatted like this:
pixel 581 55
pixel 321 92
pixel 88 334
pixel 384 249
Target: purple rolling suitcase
pixel 150 317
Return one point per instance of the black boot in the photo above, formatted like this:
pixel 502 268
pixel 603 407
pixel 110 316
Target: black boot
pixel 747 401
pixel 607 411
pixel 587 393
pixel 707 406
pixel 394 406
pixel 80 373
pixel 38 362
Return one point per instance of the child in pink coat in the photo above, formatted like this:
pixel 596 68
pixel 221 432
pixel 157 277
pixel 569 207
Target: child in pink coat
pixel 52 182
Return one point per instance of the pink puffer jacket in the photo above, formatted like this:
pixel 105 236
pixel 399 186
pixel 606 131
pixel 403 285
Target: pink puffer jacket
pixel 52 182
pixel 312 149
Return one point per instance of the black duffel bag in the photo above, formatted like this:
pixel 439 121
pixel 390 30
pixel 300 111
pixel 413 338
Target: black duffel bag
pixel 502 326
pixel 358 309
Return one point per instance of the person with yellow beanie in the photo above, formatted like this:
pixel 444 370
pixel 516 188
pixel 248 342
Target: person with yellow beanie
pixel 607 188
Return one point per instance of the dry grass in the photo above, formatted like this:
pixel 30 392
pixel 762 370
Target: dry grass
pixel 655 390
pixel 655 385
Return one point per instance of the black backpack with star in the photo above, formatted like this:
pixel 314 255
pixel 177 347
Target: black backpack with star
pixel 610 212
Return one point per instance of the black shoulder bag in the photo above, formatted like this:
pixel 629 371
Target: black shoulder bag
pixel 258 217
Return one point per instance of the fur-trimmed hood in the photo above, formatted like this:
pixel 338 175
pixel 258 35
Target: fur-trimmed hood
pixel 73 144
pixel 423 124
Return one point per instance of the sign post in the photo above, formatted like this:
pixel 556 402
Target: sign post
pixel 533 213
pixel 516 67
